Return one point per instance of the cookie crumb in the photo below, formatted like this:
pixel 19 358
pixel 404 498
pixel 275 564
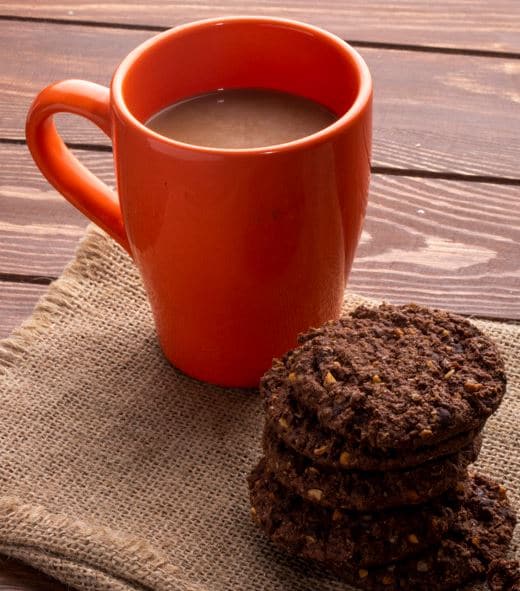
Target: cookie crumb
pixel 283 423
pixel 337 515
pixel 315 494
pixel 448 374
pixel 344 458
pixel 471 386
pixel 319 451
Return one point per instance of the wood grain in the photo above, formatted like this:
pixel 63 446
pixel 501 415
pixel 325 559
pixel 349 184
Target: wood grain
pixel 444 243
pixel 17 576
pixel 432 112
pixel 448 244
pixel 478 24
pixel 39 229
pixel 17 301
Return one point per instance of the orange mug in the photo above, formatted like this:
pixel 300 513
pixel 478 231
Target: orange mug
pixel 239 249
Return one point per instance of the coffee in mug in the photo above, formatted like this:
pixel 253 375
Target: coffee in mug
pixel 240 118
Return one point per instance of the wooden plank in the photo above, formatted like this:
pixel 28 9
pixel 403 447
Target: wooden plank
pixel 38 54
pixel 39 229
pixel 477 24
pixel 16 576
pixel 444 243
pixel 433 112
pixel 17 301
pixel 448 244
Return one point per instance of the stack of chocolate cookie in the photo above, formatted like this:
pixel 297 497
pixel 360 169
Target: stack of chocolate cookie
pixel 371 424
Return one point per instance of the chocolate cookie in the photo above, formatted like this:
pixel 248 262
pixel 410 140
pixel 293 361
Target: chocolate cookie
pixel 393 377
pixel 480 534
pixel 300 429
pixel 366 539
pixel 365 491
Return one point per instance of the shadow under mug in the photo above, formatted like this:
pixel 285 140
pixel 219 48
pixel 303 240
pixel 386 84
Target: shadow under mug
pixel 239 249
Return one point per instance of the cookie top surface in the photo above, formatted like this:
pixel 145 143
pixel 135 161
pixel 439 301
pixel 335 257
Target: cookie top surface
pixel 393 377
pixel 365 491
pixel 367 539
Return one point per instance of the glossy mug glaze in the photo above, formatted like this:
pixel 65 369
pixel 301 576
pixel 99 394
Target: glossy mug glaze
pixel 239 249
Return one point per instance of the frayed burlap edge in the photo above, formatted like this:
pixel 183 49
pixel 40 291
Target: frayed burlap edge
pixel 36 536
pixel 60 295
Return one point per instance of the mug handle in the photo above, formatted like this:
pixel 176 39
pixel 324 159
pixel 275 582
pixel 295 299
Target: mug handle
pixel 57 163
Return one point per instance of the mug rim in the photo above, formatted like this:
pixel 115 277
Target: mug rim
pixel 360 103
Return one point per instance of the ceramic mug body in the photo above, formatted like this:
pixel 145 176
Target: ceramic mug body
pixel 239 250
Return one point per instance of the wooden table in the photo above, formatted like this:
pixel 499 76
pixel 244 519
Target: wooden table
pixel 443 225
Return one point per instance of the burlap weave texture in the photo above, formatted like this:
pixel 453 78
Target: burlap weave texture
pixel 117 472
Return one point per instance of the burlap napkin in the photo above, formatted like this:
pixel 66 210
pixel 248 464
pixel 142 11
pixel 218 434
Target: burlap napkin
pixel 118 472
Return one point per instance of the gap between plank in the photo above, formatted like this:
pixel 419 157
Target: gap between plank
pixel 356 43
pixel 447 176
pixel 22 278
pixel 388 170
